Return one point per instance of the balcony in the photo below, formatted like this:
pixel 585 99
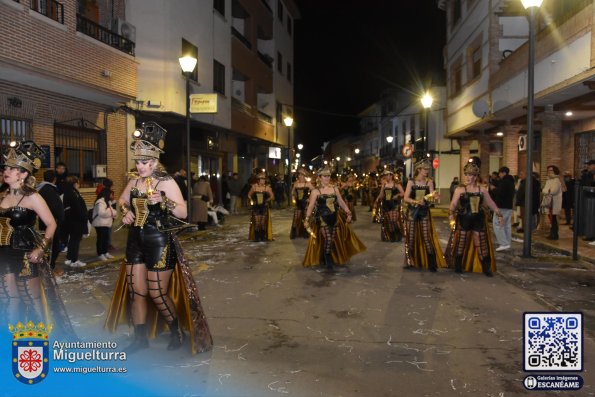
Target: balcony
pixel 236 33
pixel 50 8
pixel 106 36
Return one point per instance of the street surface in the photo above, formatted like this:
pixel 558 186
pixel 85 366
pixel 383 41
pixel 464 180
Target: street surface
pixel 371 329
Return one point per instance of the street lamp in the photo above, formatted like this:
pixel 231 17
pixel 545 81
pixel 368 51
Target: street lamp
pixel 389 139
pixel 188 63
pixel 426 102
pixel 356 151
pixel 288 121
pixel 300 146
pixel 532 6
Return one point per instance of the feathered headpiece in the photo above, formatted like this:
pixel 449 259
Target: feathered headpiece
pixel 473 166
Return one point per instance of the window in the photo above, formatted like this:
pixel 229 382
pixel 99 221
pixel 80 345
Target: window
pixel 474 62
pixel 456 77
pixel 279 62
pixel 280 10
pixel 288 71
pixel 289 25
pixel 219 6
pixel 456 12
pixel 190 49
pixel 80 145
pixel 218 77
pixel 13 130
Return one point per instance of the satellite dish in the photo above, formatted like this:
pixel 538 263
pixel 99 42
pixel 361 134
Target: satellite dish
pixel 480 108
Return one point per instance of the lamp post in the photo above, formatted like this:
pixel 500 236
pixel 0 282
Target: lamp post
pixel 532 6
pixel 288 121
pixel 426 102
pixel 188 63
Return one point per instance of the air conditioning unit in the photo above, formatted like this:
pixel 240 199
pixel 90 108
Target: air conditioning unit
pixel 124 29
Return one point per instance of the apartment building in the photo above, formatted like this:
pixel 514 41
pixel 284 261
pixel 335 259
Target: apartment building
pixel 486 62
pixel 64 78
pixel 235 43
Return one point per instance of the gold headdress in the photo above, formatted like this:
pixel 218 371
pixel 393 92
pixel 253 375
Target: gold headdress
pixel 423 163
pixel 149 141
pixel 324 171
pixel 388 170
pixel 26 155
pixel 473 165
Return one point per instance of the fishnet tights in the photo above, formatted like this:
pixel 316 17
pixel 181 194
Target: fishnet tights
pixel 479 240
pixel 424 223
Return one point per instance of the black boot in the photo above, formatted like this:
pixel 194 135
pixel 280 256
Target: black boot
pixel 486 266
pixel 459 264
pixel 432 263
pixel 140 339
pixel 176 336
pixel 328 262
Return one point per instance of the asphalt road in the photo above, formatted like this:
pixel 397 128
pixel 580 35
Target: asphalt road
pixel 371 329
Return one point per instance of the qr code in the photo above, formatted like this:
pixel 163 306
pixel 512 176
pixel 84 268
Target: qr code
pixel 553 341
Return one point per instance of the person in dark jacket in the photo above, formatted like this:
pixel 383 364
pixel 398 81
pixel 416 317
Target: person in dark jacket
pixel 48 190
pixel 502 190
pixel 568 197
pixel 535 200
pixel 61 174
pixel 180 178
pixel 75 223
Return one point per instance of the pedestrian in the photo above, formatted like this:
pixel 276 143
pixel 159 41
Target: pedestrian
pixel 149 203
pixel 552 199
pixel 102 221
pixel 588 175
pixel 235 192
pixel 389 198
pixel 300 192
pixel 180 178
pixel 202 197
pixel 470 247
pixel 61 174
pixel 75 220
pixel 261 195
pixel 453 186
pixel 348 194
pixel 29 292
pixel 502 192
pixel 49 192
pixel 332 241
pixel 422 249
pixel 278 185
pixel 568 197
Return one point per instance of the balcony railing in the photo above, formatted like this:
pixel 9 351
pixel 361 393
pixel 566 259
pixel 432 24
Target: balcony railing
pixel 264 117
pixel 236 33
pixel 106 36
pixel 50 8
pixel 266 59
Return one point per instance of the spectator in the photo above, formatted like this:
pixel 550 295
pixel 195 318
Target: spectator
pixel 226 196
pixel 235 191
pixel 180 178
pixel 202 197
pixel 568 197
pixel 48 190
pixel 103 218
pixel 588 176
pixel 75 220
pixel 453 186
pixel 279 189
pixel 553 187
pixel 61 174
pixel 502 190
pixel 520 200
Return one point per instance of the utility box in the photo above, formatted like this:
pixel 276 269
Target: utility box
pixel 100 171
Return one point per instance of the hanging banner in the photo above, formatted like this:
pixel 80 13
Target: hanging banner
pixel 203 103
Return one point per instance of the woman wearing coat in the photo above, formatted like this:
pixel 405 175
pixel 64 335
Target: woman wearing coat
pixel 553 188
pixel 75 220
pixel 202 196
pixel 103 218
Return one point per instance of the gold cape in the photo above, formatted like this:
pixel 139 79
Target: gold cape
pixel 269 223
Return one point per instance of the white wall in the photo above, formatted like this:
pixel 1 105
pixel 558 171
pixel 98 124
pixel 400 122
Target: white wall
pixel 160 27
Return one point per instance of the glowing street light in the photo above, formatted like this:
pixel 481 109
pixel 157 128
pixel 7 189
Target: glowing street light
pixel 188 63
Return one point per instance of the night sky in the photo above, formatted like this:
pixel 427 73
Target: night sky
pixel 347 52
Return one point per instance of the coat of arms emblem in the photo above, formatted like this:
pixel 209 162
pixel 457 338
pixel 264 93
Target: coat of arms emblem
pixel 30 352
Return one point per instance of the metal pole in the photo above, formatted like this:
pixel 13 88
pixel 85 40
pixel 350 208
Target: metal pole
pixel 188 174
pixel 426 132
pixel 527 224
pixel 576 220
pixel 288 187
